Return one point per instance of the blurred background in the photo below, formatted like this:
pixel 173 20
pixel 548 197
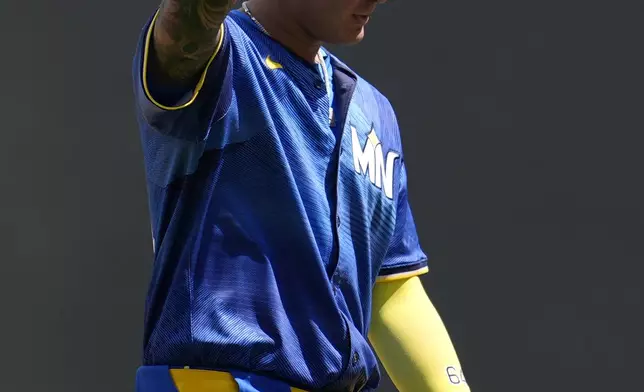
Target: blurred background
pixel 522 128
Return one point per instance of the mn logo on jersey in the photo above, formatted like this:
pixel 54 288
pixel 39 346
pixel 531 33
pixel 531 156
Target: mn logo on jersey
pixel 371 160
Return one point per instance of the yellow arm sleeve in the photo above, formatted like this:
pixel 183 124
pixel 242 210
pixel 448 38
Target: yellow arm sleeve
pixel 411 340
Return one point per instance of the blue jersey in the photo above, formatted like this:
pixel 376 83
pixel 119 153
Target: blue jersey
pixel 271 224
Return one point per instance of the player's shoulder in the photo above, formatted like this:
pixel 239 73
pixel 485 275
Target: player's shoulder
pixel 374 106
pixel 235 26
pixel 243 31
pixel 379 104
pixel 368 96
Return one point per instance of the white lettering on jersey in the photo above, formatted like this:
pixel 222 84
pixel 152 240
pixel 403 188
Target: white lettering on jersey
pixel 370 160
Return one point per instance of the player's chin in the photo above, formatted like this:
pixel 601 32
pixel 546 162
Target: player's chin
pixel 349 36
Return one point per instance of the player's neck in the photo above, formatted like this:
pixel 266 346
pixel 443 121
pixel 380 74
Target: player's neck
pixel 284 28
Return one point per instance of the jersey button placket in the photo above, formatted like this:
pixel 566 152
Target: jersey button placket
pixel 361 380
pixel 356 358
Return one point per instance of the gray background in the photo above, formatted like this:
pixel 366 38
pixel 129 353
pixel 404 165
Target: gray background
pixel 521 125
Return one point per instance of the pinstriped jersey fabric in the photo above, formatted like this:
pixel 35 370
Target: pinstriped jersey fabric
pixel 271 229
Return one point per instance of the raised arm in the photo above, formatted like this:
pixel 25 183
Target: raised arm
pixel 186 35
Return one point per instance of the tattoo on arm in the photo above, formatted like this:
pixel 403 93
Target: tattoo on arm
pixel 186 34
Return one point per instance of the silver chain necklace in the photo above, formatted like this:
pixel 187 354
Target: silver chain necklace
pixel 319 59
pixel 250 15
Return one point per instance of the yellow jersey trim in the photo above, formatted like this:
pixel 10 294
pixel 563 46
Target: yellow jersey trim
pixel 402 275
pixel 202 79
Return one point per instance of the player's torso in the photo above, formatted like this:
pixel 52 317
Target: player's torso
pixel 267 253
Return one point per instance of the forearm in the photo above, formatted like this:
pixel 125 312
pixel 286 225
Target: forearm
pixel 186 35
pixel 411 340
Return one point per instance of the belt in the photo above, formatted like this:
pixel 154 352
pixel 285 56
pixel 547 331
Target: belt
pixel 195 380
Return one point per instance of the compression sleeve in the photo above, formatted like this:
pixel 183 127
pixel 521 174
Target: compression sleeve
pixel 411 341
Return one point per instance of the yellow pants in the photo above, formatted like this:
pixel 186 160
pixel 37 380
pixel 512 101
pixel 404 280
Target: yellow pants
pixel 193 380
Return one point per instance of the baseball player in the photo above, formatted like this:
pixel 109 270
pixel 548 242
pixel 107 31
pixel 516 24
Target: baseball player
pixel 283 237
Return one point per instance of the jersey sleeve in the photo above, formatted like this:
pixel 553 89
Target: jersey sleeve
pixel 184 112
pixel 404 257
